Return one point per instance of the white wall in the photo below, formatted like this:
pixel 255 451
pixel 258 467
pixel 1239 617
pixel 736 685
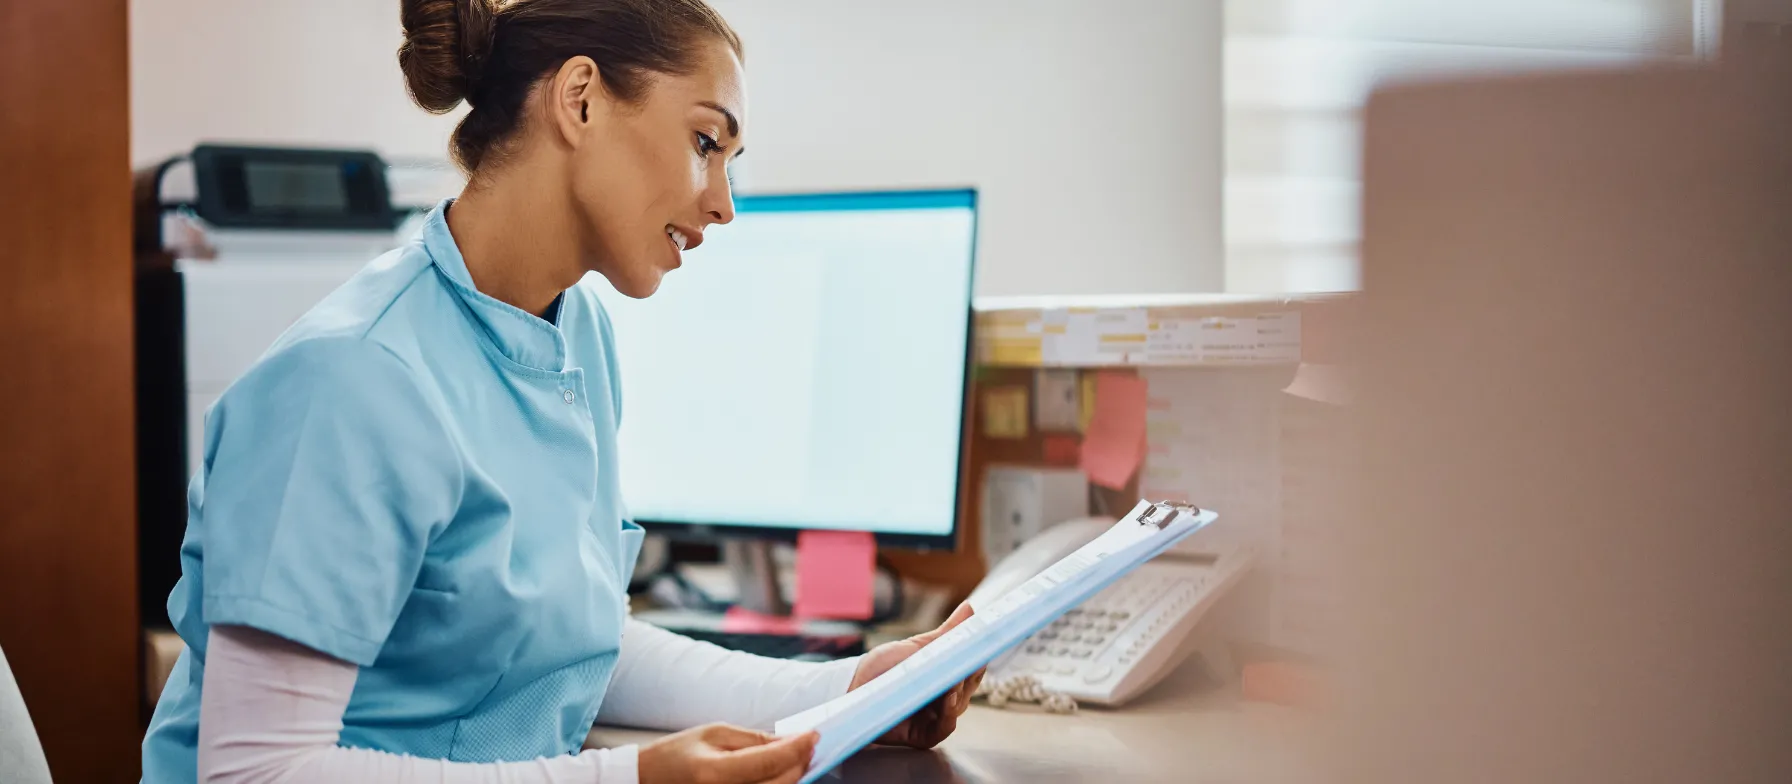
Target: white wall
pixel 1092 129
pixel 318 72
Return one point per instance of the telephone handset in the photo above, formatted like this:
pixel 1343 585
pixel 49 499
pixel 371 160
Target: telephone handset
pixel 1129 636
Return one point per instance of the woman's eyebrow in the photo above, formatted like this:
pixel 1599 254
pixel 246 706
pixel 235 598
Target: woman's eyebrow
pixel 733 124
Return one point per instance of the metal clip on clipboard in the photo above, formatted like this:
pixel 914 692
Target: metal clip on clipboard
pixel 1162 513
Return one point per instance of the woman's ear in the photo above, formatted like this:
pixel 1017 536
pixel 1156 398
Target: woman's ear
pixel 576 98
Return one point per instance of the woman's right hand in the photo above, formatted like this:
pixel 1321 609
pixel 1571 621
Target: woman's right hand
pixel 725 754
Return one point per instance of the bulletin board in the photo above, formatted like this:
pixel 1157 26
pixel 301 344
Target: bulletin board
pixel 1221 429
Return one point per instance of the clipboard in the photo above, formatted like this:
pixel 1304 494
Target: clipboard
pixel 855 719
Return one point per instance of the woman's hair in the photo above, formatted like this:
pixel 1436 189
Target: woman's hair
pixel 490 53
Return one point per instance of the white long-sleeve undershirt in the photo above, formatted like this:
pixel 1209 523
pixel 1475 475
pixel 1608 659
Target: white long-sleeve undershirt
pixel 271 710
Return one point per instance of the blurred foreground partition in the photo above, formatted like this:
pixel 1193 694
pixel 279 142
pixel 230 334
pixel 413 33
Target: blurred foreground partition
pixel 1569 553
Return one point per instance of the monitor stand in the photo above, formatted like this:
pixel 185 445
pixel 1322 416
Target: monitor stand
pixel 755 576
pixel 749 562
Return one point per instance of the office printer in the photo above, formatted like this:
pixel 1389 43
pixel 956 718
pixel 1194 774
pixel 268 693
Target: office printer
pixel 232 245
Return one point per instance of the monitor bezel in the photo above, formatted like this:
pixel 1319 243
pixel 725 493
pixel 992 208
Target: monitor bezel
pixel 867 200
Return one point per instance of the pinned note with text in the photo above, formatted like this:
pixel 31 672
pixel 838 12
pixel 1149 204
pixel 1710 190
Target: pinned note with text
pixel 1114 445
pixel 1005 412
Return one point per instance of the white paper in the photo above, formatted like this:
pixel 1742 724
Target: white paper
pixel 1057 400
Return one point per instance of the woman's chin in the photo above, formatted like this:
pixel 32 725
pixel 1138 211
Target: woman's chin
pixel 638 284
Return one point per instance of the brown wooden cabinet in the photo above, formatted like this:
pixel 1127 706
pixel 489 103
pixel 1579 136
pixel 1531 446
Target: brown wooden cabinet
pixel 68 604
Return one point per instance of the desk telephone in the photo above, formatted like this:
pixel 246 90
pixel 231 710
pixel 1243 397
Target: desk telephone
pixel 1129 636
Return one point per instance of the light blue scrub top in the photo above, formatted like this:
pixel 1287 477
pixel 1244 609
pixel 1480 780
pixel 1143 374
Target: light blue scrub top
pixel 421 480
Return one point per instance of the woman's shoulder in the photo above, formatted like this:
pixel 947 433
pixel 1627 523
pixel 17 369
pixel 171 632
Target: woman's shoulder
pixel 388 286
pixel 396 300
pixel 379 317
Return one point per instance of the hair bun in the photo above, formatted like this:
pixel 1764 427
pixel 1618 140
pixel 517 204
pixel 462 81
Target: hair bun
pixel 446 44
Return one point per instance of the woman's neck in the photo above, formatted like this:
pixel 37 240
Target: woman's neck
pixel 519 242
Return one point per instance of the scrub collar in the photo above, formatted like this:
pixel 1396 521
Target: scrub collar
pixel 520 336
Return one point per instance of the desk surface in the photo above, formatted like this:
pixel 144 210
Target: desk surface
pixel 1184 730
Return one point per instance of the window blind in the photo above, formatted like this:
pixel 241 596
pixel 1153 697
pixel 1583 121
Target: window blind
pixel 1297 72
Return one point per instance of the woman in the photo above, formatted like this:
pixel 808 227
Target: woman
pixel 406 557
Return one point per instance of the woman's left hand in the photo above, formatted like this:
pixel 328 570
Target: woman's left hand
pixel 935 722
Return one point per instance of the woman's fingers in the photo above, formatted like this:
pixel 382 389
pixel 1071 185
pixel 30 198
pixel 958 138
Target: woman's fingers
pixel 946 703
pixel 731 738
pixel 968 689
pixel 959 616
pixel 937 731
pixel 928 720
pixel 772 760
pixel 723 754
pixel 962 693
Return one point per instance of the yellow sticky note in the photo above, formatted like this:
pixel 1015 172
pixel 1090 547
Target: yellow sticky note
pixel 1088 402
pixel 1005 412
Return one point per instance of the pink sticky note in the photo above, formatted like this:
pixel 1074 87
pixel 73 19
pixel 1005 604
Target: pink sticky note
pixel 1115 442
pixel 741 620
pixel 834 571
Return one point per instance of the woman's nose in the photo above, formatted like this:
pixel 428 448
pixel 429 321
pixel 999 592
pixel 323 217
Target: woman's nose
pixel 721 207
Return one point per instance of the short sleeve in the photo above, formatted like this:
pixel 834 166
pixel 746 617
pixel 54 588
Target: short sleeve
pixel 328 473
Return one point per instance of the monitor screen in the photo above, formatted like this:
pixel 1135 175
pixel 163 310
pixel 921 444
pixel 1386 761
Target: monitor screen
pixel 805 368
pixel 285 185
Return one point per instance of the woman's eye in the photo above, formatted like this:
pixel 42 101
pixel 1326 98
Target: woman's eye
pixel 706 145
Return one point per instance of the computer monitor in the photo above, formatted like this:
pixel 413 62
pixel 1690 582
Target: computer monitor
pixel 806 369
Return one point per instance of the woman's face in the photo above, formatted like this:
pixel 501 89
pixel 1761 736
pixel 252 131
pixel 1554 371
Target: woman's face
pixel 648 178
